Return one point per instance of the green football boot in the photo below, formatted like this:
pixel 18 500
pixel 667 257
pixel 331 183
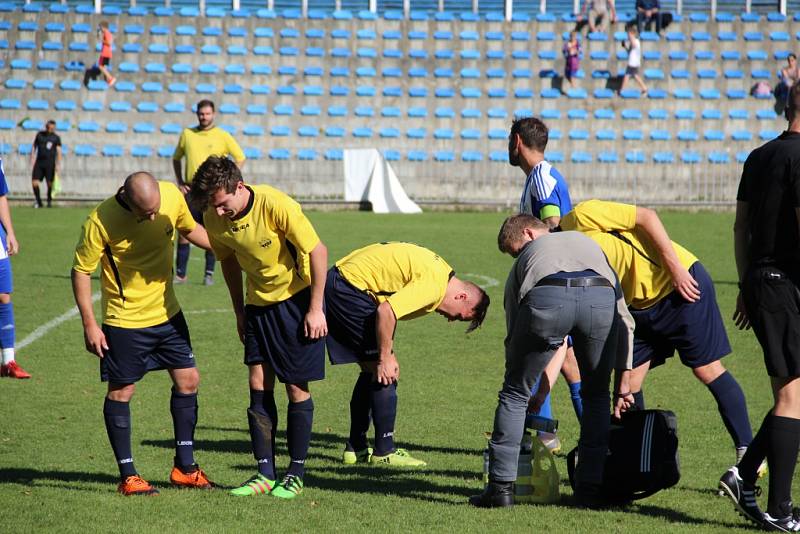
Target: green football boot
pixel 399 457
pixel 258 484
pixel 290 487
pixel 350 457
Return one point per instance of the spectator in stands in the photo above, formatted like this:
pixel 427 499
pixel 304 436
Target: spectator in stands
pixel 789 76
pixel 572 58
pixel 595 13
pixel 634 47
pixel 105 52
pixel 197 144
pixel 647 12
pixel 45 161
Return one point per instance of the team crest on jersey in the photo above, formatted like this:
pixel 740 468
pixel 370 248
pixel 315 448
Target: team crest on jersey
pixel 265 243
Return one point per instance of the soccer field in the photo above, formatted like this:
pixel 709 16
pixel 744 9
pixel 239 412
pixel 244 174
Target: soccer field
pixel 57 470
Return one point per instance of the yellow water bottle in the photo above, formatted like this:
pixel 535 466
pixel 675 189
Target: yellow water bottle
pixel 544 475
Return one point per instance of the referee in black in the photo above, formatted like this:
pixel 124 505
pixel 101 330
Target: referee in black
pixel 45 161
pixel 767 245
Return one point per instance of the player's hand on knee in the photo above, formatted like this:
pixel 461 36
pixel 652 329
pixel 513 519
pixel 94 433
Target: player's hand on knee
pixel 740 314
pixel 95 340
pixel 686 285
pixel 388 370
pixel 315 324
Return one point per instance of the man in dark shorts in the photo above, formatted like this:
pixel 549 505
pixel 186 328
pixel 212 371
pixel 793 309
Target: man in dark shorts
pixel 131 235
pixel 263 232
pixel 767 247
pixel 367 292
pixel 672 299
pixel 45 161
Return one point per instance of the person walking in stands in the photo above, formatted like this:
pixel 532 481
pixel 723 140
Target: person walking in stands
pixel 572 58
pixel 105 52
pixel 634 47
pixel 45 161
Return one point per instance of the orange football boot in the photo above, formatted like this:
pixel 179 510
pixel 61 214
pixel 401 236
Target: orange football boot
pixel 136 485
pixel 13 370
pixel 196 479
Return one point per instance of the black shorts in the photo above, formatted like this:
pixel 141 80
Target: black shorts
pixel 44 170
pixel 631 71
pixel 351 315
pixel 133 352
pixel 694 329
pixel 104 61
pixel 772 302
pixel 275 335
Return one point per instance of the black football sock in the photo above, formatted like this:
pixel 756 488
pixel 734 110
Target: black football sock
pixel 638 399
pixel 49 194
pixel 183 407
pixel 118 425
pixel 360 412
pixel 261 434
pixel 272 412
pixel 37 195
pixel 784 439
pixel 182 259
pixel 733 408
pixel 210 259
pixel 299 419
pixel 756 452
pixel 384 412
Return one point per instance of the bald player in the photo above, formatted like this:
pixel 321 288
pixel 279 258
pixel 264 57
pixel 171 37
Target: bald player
pixel 132 235
pixel 366 293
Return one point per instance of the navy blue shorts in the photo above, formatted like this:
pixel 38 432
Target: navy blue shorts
pixel 133 352
pixel 274 335
pixel 351 315
pixel 694 329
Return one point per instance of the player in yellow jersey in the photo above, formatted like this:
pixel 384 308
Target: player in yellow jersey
pixel 672 299
pixel 263 232
pixel 367 292
pixel 131 235
pixel 196 144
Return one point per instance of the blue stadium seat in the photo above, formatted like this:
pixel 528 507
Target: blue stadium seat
pixel 444 155
pixel 116 127
pixel 38 105
pixel 362 132
pixel 711 114
pixel 718 157
pixel 43 85
pixel 416 133
pixel 334 131
pixel 632 135
pixel 417 155
pixel 607 156
pixel 155 68
pixel 730 55
pixel 141 151
pixel 389 133
pixel 631 114
pixel 112 151
pixel 714 135
pixel 364 111
pixel 120 106
pixel 144 128
pixel 554 156
pixel 337 154
pixel 280 131
pixel 417 112
pixel 606 135
pixel 443 133
pixel 308 131
pixel 690 156
pixel 7 124
pixel 742 135
pixel 92 105
pixel 390 111
pixel 581 156
pixel 174 107
pixel 365 91
pixel 687 135
pixel 768 135
pixel 153 87
pixel 85 150
pixel 660 135
pixel 279 154
pixel 60 105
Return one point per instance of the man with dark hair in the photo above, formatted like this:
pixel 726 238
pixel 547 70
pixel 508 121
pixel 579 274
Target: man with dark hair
pixel 263 232
pixel 45 161
pixel 545 196
pixel 648 12
pixel 366 294
pixel 671 296
pixel 561 284
pixel 196 144
pixel 767 248
pixel 131 235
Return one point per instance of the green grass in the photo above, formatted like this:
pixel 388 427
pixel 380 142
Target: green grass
pixel 57 470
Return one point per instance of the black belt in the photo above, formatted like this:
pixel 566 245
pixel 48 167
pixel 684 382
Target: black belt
pixel 582 281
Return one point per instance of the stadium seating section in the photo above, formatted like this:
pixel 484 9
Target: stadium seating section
pixel 433 88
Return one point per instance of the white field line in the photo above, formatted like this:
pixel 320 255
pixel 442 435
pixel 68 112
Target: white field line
pixel 212 310
pixel 482 280
pixel 52 323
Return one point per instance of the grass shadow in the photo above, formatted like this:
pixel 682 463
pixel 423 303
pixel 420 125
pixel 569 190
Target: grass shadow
pixel 55 479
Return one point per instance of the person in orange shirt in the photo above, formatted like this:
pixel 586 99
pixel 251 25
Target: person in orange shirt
pixel 105 52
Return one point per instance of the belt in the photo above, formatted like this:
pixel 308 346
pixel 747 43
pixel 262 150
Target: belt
pixel 583 281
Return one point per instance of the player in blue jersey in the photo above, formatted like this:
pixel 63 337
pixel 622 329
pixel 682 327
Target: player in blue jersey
pixel 545 196
pixel 9 247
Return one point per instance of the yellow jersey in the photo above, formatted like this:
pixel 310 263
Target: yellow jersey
pixel 197 145
pixel 136 257
pixel 271 239
pixel 411 278
pixel 637 263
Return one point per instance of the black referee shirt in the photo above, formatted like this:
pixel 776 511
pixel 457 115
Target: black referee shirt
pixel 771 186
pixel 46 144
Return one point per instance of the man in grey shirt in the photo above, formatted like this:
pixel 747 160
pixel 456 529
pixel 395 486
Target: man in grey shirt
pixel 560 284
